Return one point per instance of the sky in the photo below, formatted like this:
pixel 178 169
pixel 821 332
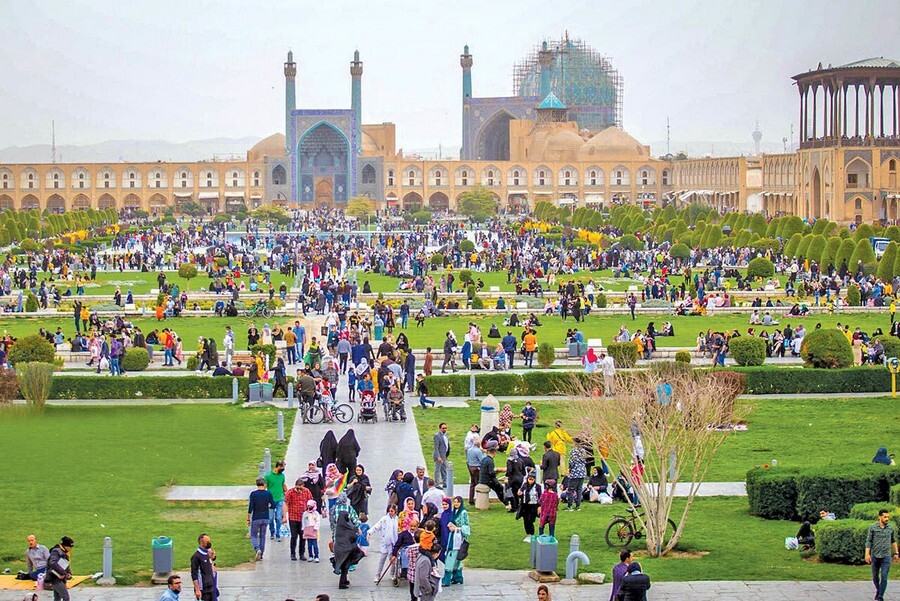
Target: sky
pixel 198 69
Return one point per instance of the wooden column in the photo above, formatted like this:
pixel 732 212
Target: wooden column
pixel 881 110
pixel 814 111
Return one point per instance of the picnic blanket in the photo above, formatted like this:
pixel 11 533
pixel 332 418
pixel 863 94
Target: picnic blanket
pixel 8 582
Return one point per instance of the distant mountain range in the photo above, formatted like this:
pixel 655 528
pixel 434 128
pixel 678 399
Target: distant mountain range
pixel 134 151
pixel 140 151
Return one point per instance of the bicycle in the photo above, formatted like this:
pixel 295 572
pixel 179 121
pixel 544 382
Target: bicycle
pixel 260 309
pixel 623 529
pixel 319 412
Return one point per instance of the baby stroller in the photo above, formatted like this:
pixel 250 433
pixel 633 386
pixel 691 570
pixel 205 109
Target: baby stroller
pixel 367 408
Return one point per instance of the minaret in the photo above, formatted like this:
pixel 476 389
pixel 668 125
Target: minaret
pixel 356 71
pixel 757 137
pixel 545 58
pixel 465 61
pixel 290 98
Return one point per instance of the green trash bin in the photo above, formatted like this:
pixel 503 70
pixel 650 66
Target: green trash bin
pixel 163 554
pixel 547 554
pixel 255 392
pixel 266 391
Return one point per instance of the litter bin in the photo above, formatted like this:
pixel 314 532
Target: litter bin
pixel 533 554
pixel 266 392
pixel 547 554
pixel 163 555
pixel 254 392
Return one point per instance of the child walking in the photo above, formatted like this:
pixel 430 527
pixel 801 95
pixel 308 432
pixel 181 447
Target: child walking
pixel 549 505
pixel 311 522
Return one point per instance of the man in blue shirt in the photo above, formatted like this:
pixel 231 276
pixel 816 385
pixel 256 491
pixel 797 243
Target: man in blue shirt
pixel 261 503
pixel 509 343
pixel 173 590
pixel 300 344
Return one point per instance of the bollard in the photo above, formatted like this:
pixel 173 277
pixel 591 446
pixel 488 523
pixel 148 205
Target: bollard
pixel 290 395
pixel 234 390
pixel 267 460
pixel 262 469
pixel 471 386
pixel 574 557
pixel 107 578
pixel 280 426
pixel 448 484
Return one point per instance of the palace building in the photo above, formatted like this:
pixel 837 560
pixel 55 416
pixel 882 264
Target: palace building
pixel 558 138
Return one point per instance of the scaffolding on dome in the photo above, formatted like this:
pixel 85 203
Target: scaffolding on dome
pixel 583 79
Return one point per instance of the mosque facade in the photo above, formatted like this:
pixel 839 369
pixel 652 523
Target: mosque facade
pixel 558 138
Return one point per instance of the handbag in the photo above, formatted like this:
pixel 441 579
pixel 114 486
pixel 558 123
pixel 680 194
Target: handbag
pixel 463 551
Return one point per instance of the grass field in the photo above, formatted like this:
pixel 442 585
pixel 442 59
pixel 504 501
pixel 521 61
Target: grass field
pixel 721 542
pixel 807 433
pixel 91 472
pixel 143 282
pixel 795 432
pixel 433 332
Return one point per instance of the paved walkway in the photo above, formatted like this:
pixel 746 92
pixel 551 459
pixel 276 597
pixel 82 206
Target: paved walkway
pixel 307 580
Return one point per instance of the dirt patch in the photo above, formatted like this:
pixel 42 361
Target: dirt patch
pixel 674 554
pixel 212 517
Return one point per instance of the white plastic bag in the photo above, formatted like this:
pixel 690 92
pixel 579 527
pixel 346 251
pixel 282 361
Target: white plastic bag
pixel 791 543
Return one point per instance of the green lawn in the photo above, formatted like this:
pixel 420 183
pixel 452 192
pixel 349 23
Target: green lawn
pixel 807 433
pixel 799 433
pixel 141 282
pixel 385 283
pixel 434 330
pixel 721 540
pixel 91 472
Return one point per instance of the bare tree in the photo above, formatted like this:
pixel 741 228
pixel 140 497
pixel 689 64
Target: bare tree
pixel 668 420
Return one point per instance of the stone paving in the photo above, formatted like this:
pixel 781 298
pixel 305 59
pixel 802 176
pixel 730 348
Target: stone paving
pixel 492 585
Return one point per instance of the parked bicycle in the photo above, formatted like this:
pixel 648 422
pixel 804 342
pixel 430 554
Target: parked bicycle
pixel 623 529
pixel 316 413
pixel 260 309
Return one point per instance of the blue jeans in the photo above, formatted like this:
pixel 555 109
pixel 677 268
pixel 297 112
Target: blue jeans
pixel 880 568
pixel 114 369
pixel 258 534
pixel 423 400
pixel 275 522
pixel 291 355
pixel 312 548
pixel 168 357
pixel 404 319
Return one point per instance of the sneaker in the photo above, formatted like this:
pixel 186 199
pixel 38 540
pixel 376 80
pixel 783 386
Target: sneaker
pixel 271 537
pixel 258 555
pixel 316 560
pixel 293 558
pixel 277 539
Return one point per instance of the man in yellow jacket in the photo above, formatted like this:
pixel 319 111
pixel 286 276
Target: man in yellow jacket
pixel 558 438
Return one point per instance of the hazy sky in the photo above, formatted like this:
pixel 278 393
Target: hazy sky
pixel 190 70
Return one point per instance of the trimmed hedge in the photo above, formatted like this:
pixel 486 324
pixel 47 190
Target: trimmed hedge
pixel 683 356
pixel 757 380
pixel 894 495
pixel 842 541
pixel 839 489
pixel 774 380
pixel 826 348
pixel 778 493
pixel 33 348
pixel 624 354
pixel 145 387
pixel 136 359
pixel 869 512
pixel 747 350
pixel 772 493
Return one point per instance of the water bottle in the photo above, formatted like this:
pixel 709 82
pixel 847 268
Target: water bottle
pixel 774 463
